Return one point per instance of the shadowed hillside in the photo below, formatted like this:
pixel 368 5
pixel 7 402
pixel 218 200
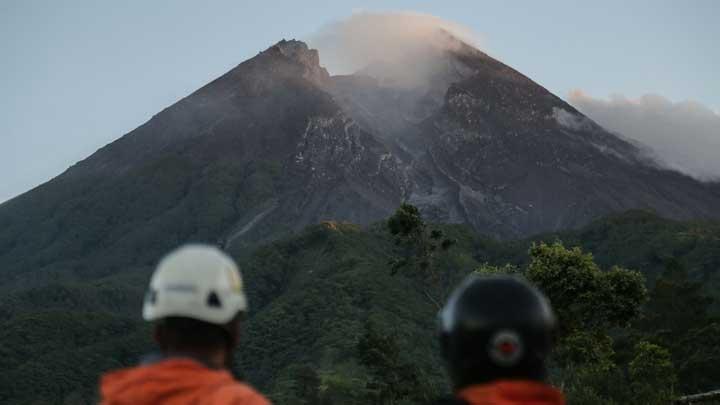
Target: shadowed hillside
pixel 312 296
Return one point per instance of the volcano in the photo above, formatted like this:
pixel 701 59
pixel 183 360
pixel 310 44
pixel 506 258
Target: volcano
pixel 277 144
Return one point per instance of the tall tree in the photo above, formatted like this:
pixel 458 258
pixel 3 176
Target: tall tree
pixel 417 246
pixel 589 302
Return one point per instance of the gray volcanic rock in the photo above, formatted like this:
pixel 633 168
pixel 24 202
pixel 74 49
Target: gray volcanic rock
pixel 261 151
pixel 501 153
pixel 277 143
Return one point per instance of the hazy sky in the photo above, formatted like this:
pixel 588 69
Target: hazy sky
pixel 76 75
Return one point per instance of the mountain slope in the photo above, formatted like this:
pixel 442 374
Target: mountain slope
pixel 259 151
pixel 277 144
pixel 310 296
pixel 491 148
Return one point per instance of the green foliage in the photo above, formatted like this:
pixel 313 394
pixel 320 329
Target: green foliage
pixel 589 302
pixel 341 390
pixel 417 240
pixel 418 246
pixel 487 269
pixel 302 386
pixel 584 297
pixel 313 293
pixel 677 304
pixel 678 317
pixel 55 355
pixel 406 222
pixel 652 374
pixel 393 379
pixel 586 395
pixel 697 355
pixel 586 352
pixel 644 241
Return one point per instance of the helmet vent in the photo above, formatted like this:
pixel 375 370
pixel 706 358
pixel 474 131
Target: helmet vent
pixel 151 296
pixel 213 300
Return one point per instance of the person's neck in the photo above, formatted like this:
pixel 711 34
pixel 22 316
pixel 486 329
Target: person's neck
pixel 215 359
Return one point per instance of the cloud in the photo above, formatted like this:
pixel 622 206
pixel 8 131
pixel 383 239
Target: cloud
pixel 683 135
pixel 393 39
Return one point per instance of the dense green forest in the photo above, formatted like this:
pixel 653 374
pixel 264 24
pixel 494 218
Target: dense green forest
pixel 346 315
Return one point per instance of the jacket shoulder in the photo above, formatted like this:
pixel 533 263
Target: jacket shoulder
pixel 238 394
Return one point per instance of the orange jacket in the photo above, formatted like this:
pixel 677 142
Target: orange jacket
pixel 512 392
pixel 176 381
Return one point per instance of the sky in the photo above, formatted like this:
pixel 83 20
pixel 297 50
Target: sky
pixel 76 75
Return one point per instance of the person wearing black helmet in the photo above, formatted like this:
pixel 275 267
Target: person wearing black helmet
pixel 495 335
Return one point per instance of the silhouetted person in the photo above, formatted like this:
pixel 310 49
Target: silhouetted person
pixel 495 334
pixel 197 303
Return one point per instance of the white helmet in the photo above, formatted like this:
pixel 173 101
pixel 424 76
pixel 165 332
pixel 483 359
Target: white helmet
pixel 198 282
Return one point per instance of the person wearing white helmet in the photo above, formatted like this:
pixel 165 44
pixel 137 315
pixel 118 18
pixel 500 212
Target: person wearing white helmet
pixel 196 301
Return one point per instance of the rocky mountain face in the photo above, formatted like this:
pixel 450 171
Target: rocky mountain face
pixel 484 145
pixel 277 143
pixel 260 151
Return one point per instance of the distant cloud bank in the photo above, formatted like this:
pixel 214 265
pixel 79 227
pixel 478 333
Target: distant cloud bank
pixel 683 135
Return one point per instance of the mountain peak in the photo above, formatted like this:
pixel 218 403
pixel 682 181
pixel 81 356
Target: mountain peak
pixel 298 52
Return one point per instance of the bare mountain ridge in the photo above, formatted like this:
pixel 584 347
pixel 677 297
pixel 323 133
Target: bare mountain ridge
pixel 489 147
pixel 277 143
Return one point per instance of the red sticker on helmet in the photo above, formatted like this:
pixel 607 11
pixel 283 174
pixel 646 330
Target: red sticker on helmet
pixel 505 348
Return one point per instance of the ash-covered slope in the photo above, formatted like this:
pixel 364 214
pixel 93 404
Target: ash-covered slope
pixel 489 147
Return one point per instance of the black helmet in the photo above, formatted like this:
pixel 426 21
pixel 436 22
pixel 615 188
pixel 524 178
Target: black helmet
pixel 493 328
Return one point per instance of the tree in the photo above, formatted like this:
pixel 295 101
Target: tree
pixel 588 302
pixel 697 355
pixel 652 374
pixel 678 317
pixel 487 269
pixel 583 296
pixel 418 241
pixel 306 385
pixel 676 304
pixel 417 245
pixel 587 352
pixel 392 378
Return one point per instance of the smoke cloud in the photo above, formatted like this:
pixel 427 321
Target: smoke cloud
pixel 685 135
pixel 395 41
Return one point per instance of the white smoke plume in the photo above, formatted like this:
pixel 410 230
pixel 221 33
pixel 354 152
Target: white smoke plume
pixel 394 40
pixel 683 135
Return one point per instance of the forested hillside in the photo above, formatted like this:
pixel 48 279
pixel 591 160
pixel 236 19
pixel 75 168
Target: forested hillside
pixel 342 314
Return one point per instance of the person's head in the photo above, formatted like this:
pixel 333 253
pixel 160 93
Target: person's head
pixel 495 328
pixel 197 303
